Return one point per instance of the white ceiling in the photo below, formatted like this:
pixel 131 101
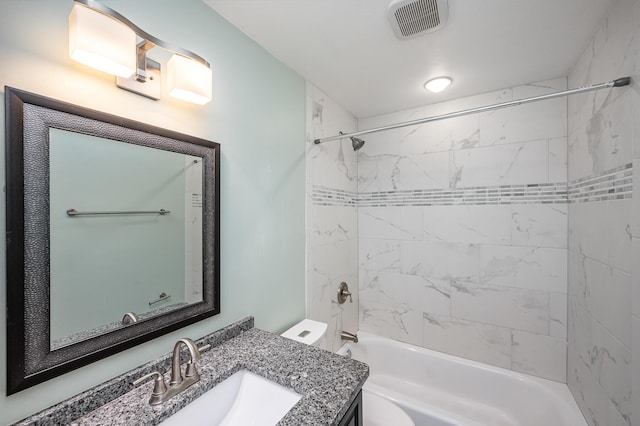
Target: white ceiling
pixel 347 47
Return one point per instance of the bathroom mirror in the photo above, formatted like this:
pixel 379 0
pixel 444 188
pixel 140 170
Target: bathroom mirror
pixel 146 258
pixel 112 235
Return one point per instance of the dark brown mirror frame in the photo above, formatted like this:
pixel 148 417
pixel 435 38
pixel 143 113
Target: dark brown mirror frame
pixel 28 118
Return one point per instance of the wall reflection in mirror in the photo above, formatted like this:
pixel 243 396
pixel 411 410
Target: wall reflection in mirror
pixel 132 247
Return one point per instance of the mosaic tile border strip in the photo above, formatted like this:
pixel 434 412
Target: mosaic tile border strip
pixel 542 193
pixel 323 196
pixel 539 193
pixel 613 184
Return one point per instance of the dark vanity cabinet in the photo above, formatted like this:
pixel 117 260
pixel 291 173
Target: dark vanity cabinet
pixel 353 417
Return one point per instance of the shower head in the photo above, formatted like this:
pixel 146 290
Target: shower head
pixel 357 143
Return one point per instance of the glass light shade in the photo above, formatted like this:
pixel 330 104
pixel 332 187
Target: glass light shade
pixel 101 42
pixel 438 84
pixel 189 80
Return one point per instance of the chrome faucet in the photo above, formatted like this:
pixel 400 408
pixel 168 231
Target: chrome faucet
pixel 178 383
pixel 191 374
pixel 345 335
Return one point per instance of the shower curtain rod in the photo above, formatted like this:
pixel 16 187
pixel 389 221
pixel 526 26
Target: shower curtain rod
pixel 623 81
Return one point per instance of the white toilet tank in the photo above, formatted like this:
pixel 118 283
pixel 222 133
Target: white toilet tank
pixel 309 332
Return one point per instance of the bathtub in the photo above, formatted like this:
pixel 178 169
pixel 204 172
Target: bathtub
pixel 437 389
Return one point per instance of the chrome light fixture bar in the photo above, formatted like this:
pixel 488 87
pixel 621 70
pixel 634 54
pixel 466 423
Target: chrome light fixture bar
pixel 101 38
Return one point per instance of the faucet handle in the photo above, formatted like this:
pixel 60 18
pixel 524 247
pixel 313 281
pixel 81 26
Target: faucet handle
pixel 204 348
pixel 159 387
pixel 190 370
pixel 343 293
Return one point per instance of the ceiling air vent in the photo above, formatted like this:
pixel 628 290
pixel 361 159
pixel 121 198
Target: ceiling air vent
pixel 413 18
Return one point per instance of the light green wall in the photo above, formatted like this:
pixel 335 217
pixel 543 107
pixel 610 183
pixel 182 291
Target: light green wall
pixel 257 115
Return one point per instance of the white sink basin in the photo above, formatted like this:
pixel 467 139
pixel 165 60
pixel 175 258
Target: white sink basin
pixel 244 399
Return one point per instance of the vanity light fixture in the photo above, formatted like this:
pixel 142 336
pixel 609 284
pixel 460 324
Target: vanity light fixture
pixel 112 49
pixel 189 80
pixel 438 84
pixel 105 40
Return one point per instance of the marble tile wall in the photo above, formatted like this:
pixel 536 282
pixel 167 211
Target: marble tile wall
pixel 462 229
pixel 463 232
pixel 603 341
pixel 332 231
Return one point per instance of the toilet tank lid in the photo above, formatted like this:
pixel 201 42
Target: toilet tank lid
pixel 306 331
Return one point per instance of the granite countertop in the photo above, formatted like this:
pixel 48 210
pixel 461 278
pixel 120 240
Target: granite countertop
pixel 327 382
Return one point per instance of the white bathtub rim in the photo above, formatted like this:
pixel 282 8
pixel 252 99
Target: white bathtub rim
pixel 450 357
pixel 512 374
pixel 556 390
